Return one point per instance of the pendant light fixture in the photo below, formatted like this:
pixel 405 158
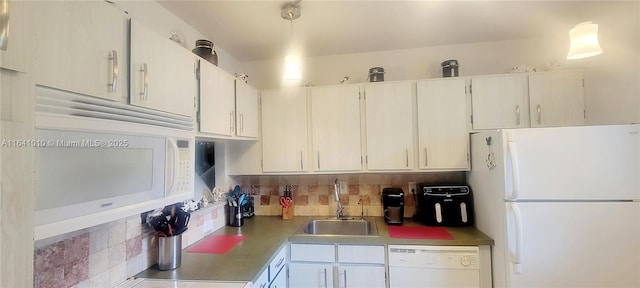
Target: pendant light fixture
pixel 292 71
pixel 584 41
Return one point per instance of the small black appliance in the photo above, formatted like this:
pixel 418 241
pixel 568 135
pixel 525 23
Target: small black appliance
pixel 393 205
pixel 376 74
pixel 450 205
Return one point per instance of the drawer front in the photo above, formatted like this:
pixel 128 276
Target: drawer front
pixel 277 263
pixel 361 254
pixel 313 252
pixel 263 280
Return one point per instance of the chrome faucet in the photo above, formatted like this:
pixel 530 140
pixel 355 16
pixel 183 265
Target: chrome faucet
pixel 336 192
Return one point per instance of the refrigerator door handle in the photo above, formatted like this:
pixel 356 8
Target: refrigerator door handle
pixel 512 149
pixel 516 255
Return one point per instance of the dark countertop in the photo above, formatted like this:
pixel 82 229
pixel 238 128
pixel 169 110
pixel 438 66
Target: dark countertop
pixel 266 234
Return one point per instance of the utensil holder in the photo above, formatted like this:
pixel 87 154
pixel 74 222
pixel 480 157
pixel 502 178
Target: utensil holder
pixel 234 216
pixel 287 213
pixel 169 252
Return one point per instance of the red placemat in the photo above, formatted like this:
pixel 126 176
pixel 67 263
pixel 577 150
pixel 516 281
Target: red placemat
pixel 419 232
pixel 217 244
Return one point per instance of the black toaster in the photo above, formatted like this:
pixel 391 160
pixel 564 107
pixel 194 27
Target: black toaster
pixel 450 205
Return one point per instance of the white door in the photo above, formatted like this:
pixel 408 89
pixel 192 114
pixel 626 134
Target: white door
pixel 361 277
pixel 500 101
pixel 557 98
pixel 307 275
pixel 246 110
pixel 284 130
pixel 335 122
pixel 217 100
pixel 148 68
pixel 389 121
pixel 81 47
pixel 574 244
pixel 443 139
pixel 587 162
pixel 182 90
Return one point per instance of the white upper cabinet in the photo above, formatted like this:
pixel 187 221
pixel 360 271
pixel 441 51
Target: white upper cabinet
pixel 81 47
pixel 217 101
pixel 335 128
pixel 500 101
pixel 443 139
pixel 246 111
pixel 557 98
pixel 390 125
pixel 162 73
pixel 16 43
pixel 284 130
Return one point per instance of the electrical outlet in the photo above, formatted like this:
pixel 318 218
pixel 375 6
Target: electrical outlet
pixel 344 189
pixel 412 187
pixel 207 226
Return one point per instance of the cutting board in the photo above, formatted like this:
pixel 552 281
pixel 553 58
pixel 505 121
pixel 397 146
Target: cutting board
pixel 216 244
pixel 419 232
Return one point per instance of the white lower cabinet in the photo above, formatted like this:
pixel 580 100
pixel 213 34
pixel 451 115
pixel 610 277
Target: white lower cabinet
pixel 275 275
pixel 323 266
pixel 280 281
pixel 310 275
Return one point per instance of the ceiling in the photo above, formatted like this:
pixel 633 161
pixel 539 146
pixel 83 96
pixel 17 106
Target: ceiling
pixel 254 30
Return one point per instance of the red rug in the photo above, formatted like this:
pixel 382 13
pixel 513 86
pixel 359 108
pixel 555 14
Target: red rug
pixel 216 244
pixel 419 232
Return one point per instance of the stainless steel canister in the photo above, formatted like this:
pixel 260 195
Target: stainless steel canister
pixel 169 252
pixel 449 68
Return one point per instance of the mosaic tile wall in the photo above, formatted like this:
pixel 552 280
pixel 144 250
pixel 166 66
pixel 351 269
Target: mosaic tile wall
pixel 107 254
pixel 313 194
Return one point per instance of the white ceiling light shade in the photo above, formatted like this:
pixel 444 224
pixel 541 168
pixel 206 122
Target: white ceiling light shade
pixel 292 70
pixel 584 41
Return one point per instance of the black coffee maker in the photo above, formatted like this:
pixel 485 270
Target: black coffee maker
pixel 393 205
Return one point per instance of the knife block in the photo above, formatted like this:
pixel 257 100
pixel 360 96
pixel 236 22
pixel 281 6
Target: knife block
pixel 287 213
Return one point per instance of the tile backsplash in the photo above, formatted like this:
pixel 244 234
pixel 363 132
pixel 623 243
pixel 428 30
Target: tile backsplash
pixel 107 254
pixel 313 194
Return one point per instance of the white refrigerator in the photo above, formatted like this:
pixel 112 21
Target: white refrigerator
pixel 561 204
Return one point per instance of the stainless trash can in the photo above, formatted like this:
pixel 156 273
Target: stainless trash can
pixel 169 252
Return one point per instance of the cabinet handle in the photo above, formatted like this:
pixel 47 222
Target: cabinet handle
pixel 145 82
pixel 518 115
pixel 345 278
pixel 231 122
pixel 301 166
pixel 279 263
pixel 318 159
pixel 113 57
pixel 539 110
pixel 241 122
pixel 406 153
pixel 4 24
pixel 426 157
pixel 325 278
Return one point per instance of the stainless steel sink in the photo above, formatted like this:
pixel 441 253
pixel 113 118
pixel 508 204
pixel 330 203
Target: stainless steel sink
pixel 339 227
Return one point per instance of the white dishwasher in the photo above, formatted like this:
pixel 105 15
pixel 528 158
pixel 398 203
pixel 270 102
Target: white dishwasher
pixel 433 266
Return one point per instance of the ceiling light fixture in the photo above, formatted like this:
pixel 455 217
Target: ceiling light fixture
pixel 584 41
pixel 292 71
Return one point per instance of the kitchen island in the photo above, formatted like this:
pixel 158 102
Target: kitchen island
pixel 265 235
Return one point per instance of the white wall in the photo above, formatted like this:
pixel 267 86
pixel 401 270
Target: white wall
pixel 612 86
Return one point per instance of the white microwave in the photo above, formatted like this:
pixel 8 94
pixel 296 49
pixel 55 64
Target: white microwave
pixel 97 161
pixel 80 173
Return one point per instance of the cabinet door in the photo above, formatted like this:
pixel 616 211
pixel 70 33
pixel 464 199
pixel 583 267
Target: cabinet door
pixel 361 277
pixel 500 101
pixel 556 98
pixel 246 110
pixel 335 122
pixel 81 47
pixel 310 275
pixel 284 130
pixel 389 121
pixel 162 73
pixel 16 46
pixel 280 281
pixel 217 101
pixel 443 139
